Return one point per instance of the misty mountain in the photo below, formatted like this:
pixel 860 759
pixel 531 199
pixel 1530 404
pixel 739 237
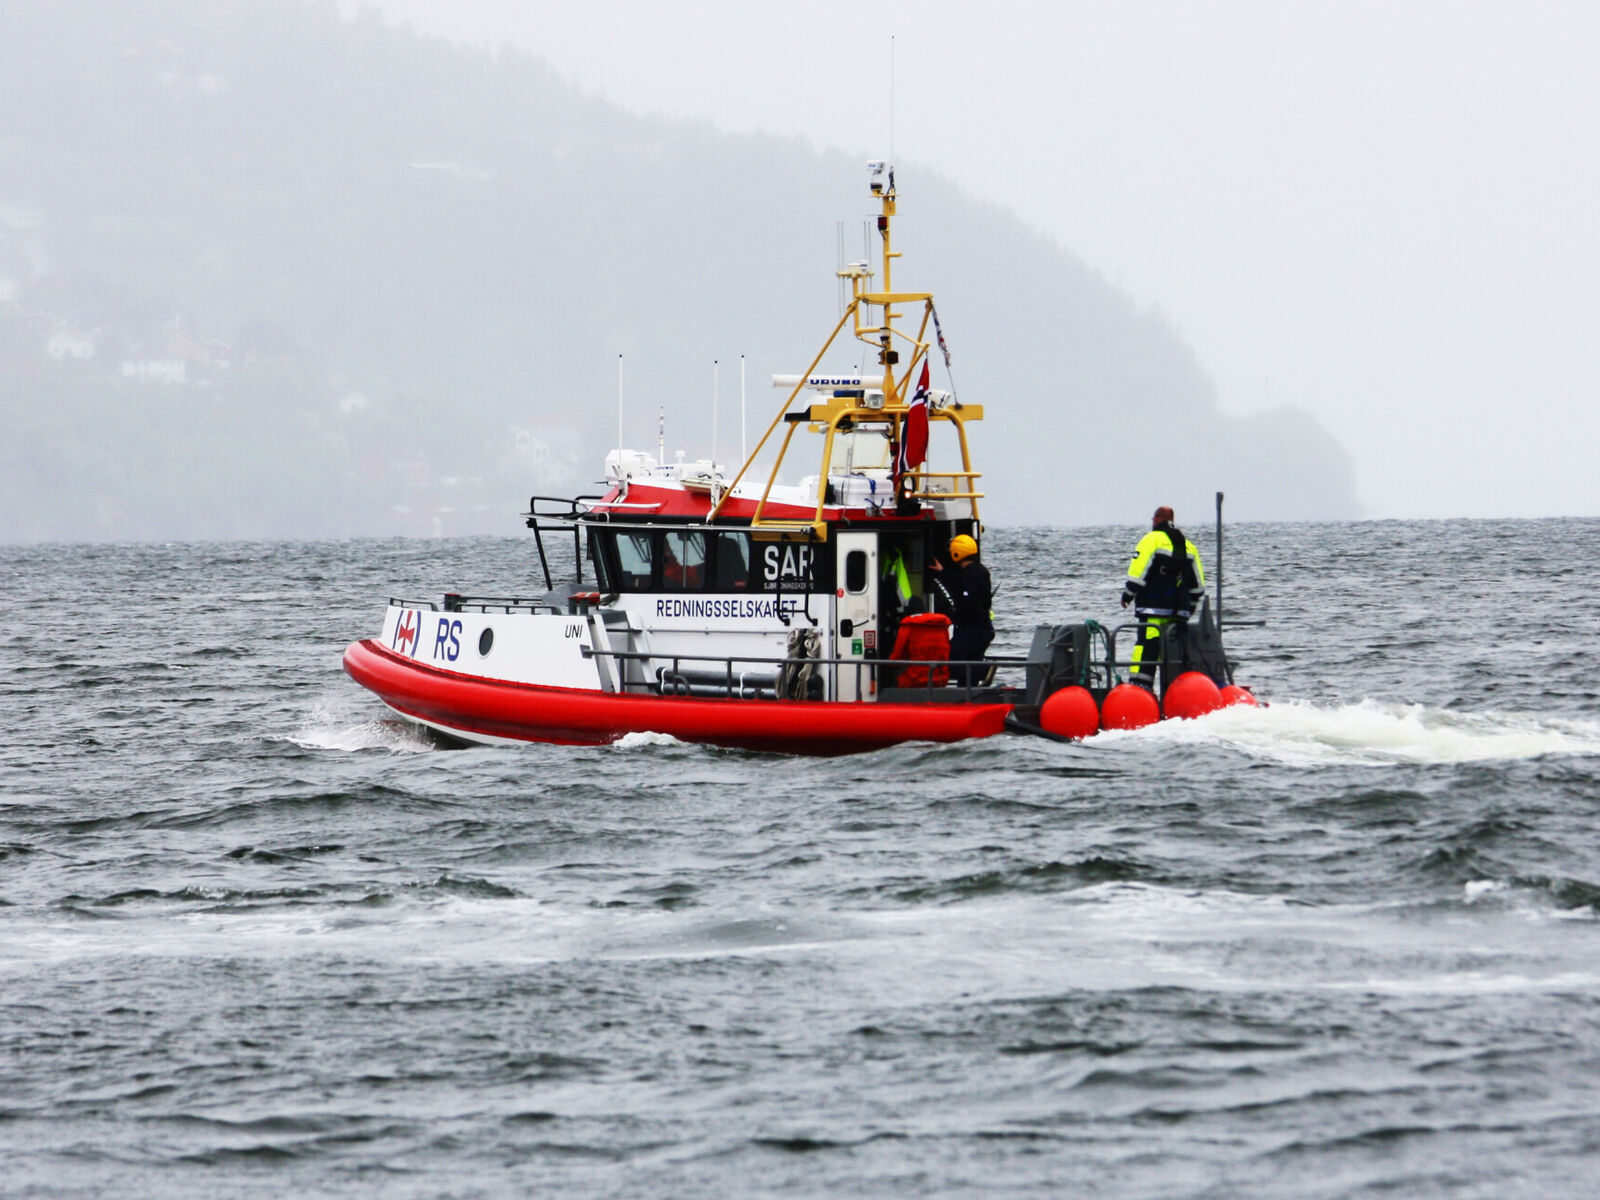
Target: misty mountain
pixel 264 272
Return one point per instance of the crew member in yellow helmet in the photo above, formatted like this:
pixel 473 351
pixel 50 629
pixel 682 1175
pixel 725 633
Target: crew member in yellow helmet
pixel 965 593
pixel 1165 584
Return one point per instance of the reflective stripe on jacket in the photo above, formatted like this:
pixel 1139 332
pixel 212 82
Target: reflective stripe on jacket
pixel 1159 584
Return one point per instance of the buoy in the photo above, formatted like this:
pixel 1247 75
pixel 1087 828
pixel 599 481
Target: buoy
pixel 1234 694
pixel 1191 695
pixel 1070 712
pixel 1129 706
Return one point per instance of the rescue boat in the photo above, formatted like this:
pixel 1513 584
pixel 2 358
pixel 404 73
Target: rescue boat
pixel 744 612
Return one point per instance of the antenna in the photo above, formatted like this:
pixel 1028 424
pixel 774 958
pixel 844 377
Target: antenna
pixel 891 103
pixel 866 257
pixel 619 408
pixel 744 455
pixel 661 436
pixel 1219 560
pixel 840 230
pixel 716 388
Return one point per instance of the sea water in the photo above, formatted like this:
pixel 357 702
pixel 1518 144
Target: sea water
pixel 259 938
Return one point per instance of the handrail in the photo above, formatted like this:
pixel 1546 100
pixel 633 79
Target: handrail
pixel 922 485
pixel 504 604
pixel 532 520
pixel 483 604
pixel 739 685
pixel 1164 659
pixel 992 661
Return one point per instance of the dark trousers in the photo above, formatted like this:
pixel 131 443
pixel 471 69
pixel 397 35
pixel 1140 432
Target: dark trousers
pixel 967 643
pixel 1147 651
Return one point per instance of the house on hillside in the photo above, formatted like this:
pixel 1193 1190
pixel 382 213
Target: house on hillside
pixel 156 370
pixel 70 344
pixel 548 458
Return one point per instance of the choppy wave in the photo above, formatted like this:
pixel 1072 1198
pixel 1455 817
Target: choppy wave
pixel 1559 898
pixel 1374 733
pixel 1294 927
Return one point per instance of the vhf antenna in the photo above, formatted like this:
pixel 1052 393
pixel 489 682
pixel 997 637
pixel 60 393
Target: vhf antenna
pixel 891 103
pixel 842 284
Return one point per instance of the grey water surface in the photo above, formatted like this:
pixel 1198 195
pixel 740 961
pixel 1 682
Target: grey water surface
pixel 256 938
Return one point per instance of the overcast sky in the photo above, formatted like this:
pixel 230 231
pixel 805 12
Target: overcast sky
pixel 1388 214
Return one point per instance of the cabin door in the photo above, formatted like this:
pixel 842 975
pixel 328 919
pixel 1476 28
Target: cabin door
pixel 856 615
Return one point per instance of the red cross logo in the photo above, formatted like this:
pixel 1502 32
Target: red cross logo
pixel 405 634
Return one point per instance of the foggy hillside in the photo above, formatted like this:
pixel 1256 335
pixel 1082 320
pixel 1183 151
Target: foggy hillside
pixel 264 273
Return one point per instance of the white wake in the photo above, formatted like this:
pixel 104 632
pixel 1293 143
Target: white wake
pixel 1373 733
pixel 327 728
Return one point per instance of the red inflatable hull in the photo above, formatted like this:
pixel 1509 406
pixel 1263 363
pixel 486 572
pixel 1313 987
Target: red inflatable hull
pixel 477 708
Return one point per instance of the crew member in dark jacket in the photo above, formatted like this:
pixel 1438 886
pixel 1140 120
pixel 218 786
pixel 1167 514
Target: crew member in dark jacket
pixel 966 593
pixel 1165 583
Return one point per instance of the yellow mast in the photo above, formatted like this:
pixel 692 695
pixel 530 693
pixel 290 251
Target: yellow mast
pixel 852 412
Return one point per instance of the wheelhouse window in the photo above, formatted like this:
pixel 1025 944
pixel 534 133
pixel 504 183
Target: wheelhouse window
pixel 683 562
pixel 701 560
pixel 635 561
pixel 731 562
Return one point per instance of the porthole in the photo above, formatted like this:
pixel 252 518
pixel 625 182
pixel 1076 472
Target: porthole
pixel 485 642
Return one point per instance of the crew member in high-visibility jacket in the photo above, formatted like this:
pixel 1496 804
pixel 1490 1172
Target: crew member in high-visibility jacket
pixel 1165 583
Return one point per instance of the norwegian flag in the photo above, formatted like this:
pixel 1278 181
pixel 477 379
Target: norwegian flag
pixel 914 441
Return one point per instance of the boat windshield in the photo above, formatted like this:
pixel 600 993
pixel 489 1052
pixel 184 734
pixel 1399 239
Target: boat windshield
pixel 683 564
pixel 732 561
pixel 703 560
pixel 634 559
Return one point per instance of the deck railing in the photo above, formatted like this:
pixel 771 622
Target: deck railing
pixel 482 604
pixel 754 677
pixel 758 677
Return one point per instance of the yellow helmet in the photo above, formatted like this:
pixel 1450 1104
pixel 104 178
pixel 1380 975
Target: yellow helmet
pixel 962 546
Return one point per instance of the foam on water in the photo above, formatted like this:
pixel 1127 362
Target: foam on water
pixel 329 726
pixel 1372 733
pixel 461 930
pixel 643 741
pixel 1109 936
